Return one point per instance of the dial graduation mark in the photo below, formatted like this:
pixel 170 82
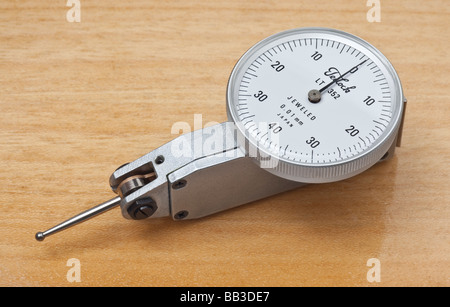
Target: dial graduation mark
pixel 283 126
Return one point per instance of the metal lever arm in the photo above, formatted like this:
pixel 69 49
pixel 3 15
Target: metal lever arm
pixel 84 216
pixel 197 174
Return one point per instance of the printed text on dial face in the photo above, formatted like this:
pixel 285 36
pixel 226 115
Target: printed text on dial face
pixel 353 113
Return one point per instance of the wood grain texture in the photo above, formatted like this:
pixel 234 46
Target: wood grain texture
pixel 79 99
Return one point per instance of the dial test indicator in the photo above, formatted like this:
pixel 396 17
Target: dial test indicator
pixel 324 97
pixel 307 105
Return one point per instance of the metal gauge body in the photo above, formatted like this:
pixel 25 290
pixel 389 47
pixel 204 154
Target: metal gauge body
pixel 308 105
pixel 349 129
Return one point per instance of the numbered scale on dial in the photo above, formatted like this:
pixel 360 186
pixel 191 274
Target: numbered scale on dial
pixel 307 105
pixel 315 97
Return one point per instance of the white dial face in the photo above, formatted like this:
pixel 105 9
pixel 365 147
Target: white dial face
pixel 352 105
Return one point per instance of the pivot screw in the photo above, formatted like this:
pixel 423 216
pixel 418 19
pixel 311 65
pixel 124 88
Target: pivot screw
pixel 142 208
pixel 159 159
pixel 181 215
pixel 179 184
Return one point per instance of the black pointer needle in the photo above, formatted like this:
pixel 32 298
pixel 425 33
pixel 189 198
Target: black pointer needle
pixel 353 70
pixel 315 95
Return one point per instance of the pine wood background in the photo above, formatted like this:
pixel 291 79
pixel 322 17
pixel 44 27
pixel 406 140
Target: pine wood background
pixel 79 99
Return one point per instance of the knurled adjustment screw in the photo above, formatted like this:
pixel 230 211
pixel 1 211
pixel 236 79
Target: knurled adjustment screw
pixel 142 208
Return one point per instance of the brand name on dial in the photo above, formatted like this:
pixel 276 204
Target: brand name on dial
pixel 335 75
